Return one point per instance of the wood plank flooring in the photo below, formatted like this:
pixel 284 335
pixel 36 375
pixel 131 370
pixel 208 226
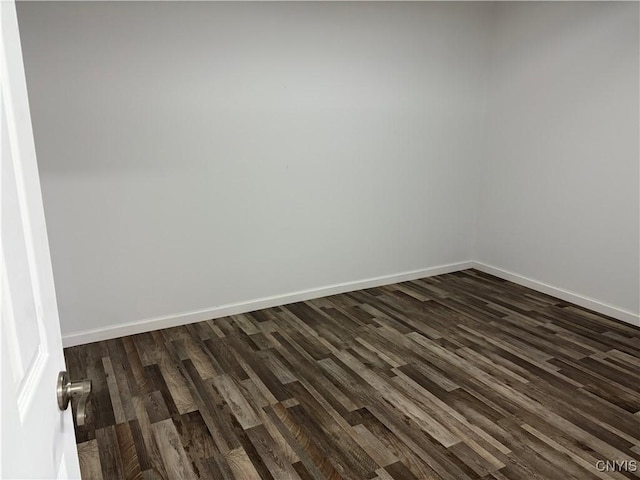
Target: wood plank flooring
pixel 459 376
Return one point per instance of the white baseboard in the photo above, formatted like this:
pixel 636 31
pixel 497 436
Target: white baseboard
pixel 586 302
pixel 131 328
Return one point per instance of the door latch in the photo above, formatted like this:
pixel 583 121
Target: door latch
pixel 67 390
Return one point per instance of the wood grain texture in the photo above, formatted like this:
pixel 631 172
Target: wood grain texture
pixel 459 376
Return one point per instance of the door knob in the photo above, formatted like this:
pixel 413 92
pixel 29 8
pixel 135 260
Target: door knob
pixel 67 390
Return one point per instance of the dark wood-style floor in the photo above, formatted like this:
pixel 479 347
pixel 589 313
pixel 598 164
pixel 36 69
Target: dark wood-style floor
pixel 459 376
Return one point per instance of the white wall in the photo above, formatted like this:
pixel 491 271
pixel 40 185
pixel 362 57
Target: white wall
pixel 560 203
pixel 200 154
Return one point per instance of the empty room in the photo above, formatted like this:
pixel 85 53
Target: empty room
pixel 320 240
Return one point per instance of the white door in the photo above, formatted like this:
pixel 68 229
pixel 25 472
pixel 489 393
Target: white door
pixel 37 439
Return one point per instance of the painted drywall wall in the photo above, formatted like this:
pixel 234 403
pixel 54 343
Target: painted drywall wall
pixel 196 155
pixel 560 202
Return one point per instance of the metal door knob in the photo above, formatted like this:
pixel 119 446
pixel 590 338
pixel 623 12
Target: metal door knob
pixel 67 390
